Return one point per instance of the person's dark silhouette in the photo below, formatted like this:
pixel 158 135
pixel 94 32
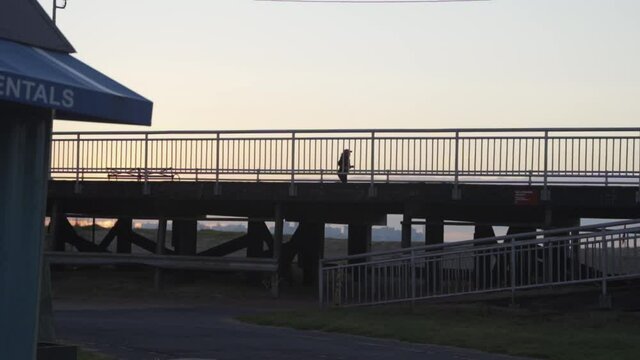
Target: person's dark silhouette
pixel 344 164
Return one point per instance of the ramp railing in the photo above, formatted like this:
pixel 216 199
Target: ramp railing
pixel 588 254
pixel 524 156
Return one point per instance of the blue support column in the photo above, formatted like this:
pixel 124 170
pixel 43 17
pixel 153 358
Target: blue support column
pixel 25 136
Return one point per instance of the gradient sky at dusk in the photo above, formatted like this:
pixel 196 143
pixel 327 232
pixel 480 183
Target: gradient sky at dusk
pixel 242 64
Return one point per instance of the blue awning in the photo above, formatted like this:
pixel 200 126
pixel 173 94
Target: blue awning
pixel 56 80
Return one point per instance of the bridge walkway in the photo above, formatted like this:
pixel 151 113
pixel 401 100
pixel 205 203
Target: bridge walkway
pixel 532 178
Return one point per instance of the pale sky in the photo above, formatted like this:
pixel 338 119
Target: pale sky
pixel 241 64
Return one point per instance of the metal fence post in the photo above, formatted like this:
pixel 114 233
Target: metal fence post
pixel 372 190
pixel 605 299
pixel 145 188
pixel 545 190
pixel 77 157
pixel 604 265
pixel 413 279
pixel 638 172
pixel 456 195
pixel 320 284
pixel 77 184
pixel 456 158
pixel 546 156
pixel 606 161
pixel 513 271
pixel 216 189
pixel 292 187
pixel 638 192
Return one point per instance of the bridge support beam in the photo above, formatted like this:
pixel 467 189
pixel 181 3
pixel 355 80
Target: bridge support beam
pixel 311 250
pixel 434 231
pixel 65 232
pixel 184 236
pixel 257 235
pixel 277 248
pixel 56 242
pixel 59 230
pixel 434 235
pixel 405 240
pixel 359 239
pixel 483 231
pixel 123 244
pixel 160 243
pixel 228 247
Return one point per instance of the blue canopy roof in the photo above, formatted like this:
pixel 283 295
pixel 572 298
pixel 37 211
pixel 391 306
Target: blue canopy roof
pixel 56 80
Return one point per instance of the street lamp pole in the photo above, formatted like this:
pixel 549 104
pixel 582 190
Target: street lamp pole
pixel 56 7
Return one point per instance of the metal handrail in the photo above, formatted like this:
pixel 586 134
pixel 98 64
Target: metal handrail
pixel 600 228
pixel 377 130
pixel 533 156
pixel 597 253
pixel 465 248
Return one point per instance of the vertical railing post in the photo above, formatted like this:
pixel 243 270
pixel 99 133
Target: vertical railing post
pixel 78 149
pixel 413 278
pixel 545 190
pixel 372 190
pixel 604 269
pixel 320 284
pixel 146 157
pixel 456 158
pixel 292 187
pixel 217 185
pixel 606 161
pixel 637 171
pixel 546 157
pixel 146 164
pixel 456 195
pixel 77 157
pixel 513 271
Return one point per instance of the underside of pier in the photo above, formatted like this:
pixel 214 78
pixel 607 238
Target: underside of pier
pixel 312 205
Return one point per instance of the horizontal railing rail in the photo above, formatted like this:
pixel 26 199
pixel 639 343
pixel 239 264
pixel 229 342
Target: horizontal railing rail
pixel 163 261
pixel 595 253
pixel 531 156
pixel 541 235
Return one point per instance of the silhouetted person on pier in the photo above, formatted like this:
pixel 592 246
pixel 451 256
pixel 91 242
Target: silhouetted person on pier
pixel 344 164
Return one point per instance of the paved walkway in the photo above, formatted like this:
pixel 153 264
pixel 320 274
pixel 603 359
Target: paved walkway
pixel 211 333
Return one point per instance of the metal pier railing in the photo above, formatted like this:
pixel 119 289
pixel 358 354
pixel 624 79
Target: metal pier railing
pixel 597 253
pixel 525 156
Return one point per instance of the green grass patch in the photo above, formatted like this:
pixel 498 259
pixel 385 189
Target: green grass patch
pixel 546 335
